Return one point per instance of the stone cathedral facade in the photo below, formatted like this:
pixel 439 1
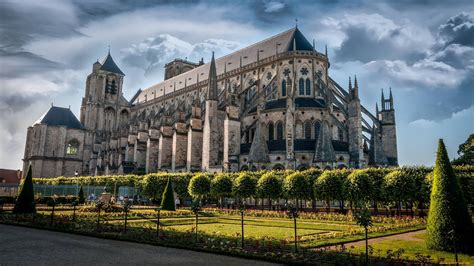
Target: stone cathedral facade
pixel 271 105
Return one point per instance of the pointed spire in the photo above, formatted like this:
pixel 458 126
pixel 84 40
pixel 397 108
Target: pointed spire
pixel 391 99
pixel 350 84
pixel 314 46
pixel 355 82
pixel 212 81
pixel 326 50
pixel 382 99
pixel 376 109
pixel 296 23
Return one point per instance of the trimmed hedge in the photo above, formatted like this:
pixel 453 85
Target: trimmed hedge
pixel 383 184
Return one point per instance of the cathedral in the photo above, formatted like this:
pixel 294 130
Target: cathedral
pixel 271 105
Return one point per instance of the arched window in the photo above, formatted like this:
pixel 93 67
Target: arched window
pixel 283 88
pixel 308 87
pixel 307 130
pixel 279 131
pixel 317 128
pixel 72 147
pixel 301 86
pixel 270 131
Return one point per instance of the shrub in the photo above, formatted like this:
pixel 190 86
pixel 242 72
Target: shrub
pixel 167 200
pixel 398 188
pixel 80 196
pixel 221 185
pixel 26 197
pixel 331 185
pixel 199 186
pixel 296 186
pixel 244 185
pixel 360 186
pixel 269 186
pixel 448 210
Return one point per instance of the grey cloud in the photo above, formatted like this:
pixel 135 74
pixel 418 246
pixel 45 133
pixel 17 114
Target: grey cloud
pixel 456 55
pixel 458 29
pixel 22 63
pixel 153 53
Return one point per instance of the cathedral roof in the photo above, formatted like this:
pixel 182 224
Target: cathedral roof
pixel 267 48
pixel 59 116
pixel 109 65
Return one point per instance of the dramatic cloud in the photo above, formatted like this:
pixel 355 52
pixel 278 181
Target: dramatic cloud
pixel 424 50
pixel 458 29
pixel 367 37
pixel 153 53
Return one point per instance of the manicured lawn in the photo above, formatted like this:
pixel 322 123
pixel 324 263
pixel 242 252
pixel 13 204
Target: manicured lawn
pixel 412 248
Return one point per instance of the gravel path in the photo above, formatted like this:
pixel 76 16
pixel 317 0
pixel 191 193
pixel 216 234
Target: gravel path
pixel 26 246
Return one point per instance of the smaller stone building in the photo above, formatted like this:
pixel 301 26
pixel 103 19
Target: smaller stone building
pixel 55 144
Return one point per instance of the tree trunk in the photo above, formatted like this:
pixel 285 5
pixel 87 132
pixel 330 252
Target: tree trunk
pixel 328 208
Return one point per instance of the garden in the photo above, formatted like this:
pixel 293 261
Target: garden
pixel 310 216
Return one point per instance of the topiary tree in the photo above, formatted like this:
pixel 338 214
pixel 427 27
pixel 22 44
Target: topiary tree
pixel 221 186
pixel 25 202
pixel 398 188
pixel 80 196
pixel 297 187
pixel 448 214
pixel 199 186
pixel 331 185
pixel 359 187
pixel 269 186
pixel 167 200
pixel 244 186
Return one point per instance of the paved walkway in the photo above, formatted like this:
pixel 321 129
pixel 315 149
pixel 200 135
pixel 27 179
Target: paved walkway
pixel 26 246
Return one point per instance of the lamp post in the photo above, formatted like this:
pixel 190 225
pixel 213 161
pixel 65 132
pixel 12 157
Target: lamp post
pixel 242 210
pixel 158 210
pixel 452 233
pixel 74 204
pixel 99 206
pixel 52 203
pixel 126 207
pixel 293 214
pixel 196 207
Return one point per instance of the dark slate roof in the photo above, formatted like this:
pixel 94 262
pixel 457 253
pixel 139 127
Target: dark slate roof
pixel 59 116
pixel 309 102
pixel 280 103
pixel 109 65
pixel 302 44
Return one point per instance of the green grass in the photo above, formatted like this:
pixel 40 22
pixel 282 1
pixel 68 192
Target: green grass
pixel 413 247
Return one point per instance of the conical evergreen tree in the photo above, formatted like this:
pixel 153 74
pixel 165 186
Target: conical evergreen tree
pixel 80 196
pixel 25 202
pixel 167 199
pixel 448 216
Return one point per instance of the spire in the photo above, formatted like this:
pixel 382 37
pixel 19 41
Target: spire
pixel 212 81
pixel 326 50
pixel 296 23
pixel 391 99
pixel 109 65
pixel 355 82
pixel 314 46
pixel 382 99
pixel 350 84
pixel 376 109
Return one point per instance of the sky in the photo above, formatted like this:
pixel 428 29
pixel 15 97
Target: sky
pixel 422 49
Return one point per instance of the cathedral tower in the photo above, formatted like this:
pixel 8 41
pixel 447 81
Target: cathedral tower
pixel 388 129
pixel 101 108
pixel 356 152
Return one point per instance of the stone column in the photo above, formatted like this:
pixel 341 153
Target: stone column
pixel 231 139
pixel 194 149
pixel 152 145
pixel 165 147
pixel 180 144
